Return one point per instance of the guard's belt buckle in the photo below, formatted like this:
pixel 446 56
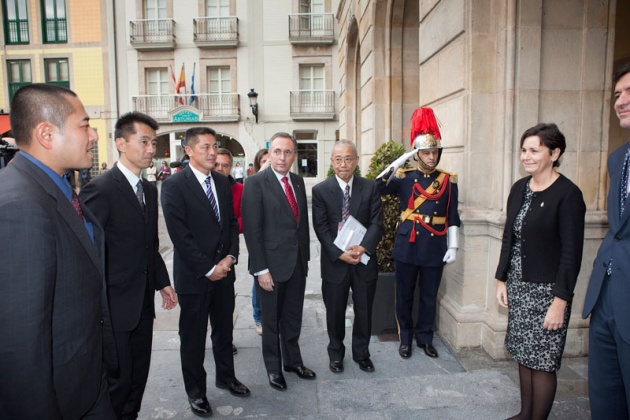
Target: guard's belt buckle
pixel 426 218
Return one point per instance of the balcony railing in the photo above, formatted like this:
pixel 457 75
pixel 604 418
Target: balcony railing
pixel 216 32
pixel 312 104
pixel 310 29
pixel 16 31
pixel 223 107
pixel 55 31
pixel 152 34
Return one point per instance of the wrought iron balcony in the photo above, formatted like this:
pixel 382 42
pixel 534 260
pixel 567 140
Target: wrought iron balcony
pixel 312 104
pixel 152 34
pixel 209 107
pixel 311 29
pixel 216 32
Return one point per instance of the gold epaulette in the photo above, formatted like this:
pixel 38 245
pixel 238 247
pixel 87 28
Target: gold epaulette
pixel 400 173
pixel 452 176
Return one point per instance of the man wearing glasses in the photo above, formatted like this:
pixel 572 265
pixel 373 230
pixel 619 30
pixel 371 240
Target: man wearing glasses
pixel 334 200
pixel 275 224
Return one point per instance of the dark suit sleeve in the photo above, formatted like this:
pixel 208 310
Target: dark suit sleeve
pixel 27 281
pixel 322 223
pixel 96 200
pixel 174 207
pixel 571 229
pixel 228 210
pixel 161 273
pixel 375 227
pixel 253 219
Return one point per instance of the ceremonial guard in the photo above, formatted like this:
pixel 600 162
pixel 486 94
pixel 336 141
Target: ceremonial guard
pixel 427 236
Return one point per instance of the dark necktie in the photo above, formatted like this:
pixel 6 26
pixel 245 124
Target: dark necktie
pixel 212 199
pixel 77 204
pixel 139 194
pixel 345 210
pixel 291 197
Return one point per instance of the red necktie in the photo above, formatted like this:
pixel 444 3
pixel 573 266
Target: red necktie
pixel 291 197
pixel 77 204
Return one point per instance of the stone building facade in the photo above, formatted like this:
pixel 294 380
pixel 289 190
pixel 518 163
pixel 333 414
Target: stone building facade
pixel 490 69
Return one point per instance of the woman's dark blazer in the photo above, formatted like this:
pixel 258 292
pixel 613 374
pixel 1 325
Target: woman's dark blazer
pixel 552 235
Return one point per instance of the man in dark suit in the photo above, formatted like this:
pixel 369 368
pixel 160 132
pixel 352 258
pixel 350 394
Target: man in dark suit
pixel 126 207
pixel 54 323
pixel 608 292
pixel 333 201
pixel 275 225
pixel 197 204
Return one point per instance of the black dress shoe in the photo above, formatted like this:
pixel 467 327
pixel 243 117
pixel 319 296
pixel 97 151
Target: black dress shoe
pixel 404 351
pixel 276 380
pixel 302 371
pixel 366 365
pixel 336 367
pixel 429 350
pixel 200 407
pixel 236 388
pixel 234 349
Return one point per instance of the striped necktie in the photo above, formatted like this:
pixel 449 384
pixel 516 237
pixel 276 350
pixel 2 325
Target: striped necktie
pixel 212 199
pixel 345 210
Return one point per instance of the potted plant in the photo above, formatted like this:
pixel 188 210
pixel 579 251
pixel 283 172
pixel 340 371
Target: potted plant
pixel 383 309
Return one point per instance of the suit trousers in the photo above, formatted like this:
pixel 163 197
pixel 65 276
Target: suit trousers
pixel 102 408
pixel 428 279
pixel 336 300
pixel 133 349
pixel 608 362
pixel 282 320
pixel 218 305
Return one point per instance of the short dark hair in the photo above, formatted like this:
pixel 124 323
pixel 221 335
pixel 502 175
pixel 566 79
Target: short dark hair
pixel 37 103
pixel 620 72
pixel 226 152
pixel 283 135
pixel 125 125
pixel 191 136
pixel 550 136
pixel 259 155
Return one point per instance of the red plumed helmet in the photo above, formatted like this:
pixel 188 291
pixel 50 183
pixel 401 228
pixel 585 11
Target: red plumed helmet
pixel 425 133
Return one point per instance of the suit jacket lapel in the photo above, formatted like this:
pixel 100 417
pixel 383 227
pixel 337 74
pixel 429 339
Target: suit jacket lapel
pixel 300 196
pixel 278 191
pixel 197 191
pixel 356 193
pixel 126 190
pixel 336 196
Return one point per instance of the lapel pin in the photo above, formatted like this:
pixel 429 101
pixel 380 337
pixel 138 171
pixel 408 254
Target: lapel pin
pixel 542 204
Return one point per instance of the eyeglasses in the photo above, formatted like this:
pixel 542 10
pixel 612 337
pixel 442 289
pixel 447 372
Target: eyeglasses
pixel 222 165
pixel 347 160
pixel 278 152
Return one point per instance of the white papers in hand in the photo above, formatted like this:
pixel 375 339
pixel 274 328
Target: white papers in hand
pixel 351 233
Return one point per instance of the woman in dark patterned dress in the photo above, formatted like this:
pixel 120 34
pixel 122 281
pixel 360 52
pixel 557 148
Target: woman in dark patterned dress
pixel 540 260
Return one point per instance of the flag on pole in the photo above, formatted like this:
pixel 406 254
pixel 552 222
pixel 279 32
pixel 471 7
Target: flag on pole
pixel 173 81
pixel 181 85
pixel 192 86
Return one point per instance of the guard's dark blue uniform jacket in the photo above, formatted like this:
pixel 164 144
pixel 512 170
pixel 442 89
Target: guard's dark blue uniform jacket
pixel 428 249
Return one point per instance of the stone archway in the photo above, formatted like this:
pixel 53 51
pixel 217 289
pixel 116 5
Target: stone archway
pixel 353 85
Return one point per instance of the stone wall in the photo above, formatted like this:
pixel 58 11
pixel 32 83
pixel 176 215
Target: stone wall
pixel 490 69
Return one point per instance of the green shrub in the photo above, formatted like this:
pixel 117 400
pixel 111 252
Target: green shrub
pixel 383 157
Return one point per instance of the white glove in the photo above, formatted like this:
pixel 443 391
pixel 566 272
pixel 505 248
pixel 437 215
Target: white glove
pixel 397 164
pixel 450 256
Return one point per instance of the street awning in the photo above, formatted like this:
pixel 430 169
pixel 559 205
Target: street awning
pixel 5 124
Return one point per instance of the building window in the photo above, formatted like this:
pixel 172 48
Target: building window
pixel 15 22
pixel 57 72
pixel 155 9
pixel 19 72
pixel 306 153
pixel 157 82
pixel 220 88
pixel 218 8
pixel 311 85
pixel 55 29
